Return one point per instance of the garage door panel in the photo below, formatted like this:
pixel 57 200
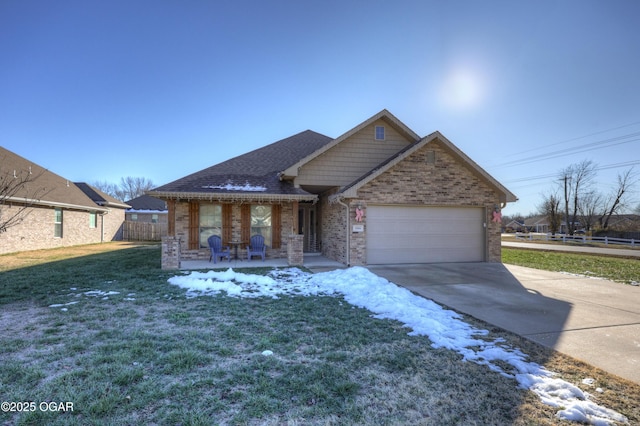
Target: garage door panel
pixel 404 234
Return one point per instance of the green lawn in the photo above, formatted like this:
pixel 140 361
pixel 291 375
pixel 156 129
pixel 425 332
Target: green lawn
pixel 612 268
pixel 125 347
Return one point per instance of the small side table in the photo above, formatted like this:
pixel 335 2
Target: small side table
pixel 235 245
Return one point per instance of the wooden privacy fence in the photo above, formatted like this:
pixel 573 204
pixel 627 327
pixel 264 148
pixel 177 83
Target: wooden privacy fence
pixel 143 231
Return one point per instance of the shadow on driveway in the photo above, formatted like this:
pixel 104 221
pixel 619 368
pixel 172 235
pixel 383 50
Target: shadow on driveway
pixel 597 321
pixel 487 291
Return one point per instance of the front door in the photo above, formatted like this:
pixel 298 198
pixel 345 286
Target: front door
pixel 307 226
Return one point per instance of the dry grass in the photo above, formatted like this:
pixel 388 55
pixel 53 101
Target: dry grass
pixel 37 257
pixel 165 359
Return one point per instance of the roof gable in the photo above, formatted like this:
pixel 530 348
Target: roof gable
pixel 350 191
pixel 385 115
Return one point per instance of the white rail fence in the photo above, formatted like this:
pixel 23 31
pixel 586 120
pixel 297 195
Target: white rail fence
pixel 531 236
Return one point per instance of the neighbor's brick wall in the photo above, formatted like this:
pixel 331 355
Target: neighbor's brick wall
pixel 182 232
pixel 445 183
pixel 113 223
pixel 36 231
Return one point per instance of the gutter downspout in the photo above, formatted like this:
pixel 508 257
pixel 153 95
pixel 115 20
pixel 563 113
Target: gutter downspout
pixel 102 215
pixel 348 234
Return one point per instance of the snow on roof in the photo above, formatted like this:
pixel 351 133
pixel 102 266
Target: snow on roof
pixel 233 187
pixel 445 328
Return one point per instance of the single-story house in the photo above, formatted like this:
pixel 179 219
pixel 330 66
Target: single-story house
pixel 378 194
pixel 514 226
pixel 146 220
pixel 46 210
pixel 147 209
pixel 538 224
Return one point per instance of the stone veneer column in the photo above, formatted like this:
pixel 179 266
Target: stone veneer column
pixel 295 250
pixel 171 253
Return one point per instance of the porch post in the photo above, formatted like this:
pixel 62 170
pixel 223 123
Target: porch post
pixel 295 253
pixel 171 252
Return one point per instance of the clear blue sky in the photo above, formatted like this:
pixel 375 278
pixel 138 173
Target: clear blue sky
pixel 100 90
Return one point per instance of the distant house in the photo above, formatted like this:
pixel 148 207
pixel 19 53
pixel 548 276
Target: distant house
pixel 539 224
pixel 515 226
pixel 378 194
pixel 53 211
pixel 147 209
pixel 146 220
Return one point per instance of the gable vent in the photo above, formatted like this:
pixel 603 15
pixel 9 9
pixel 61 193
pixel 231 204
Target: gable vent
pixel 431 157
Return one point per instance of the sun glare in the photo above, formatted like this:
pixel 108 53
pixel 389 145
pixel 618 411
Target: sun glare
pixel 461 90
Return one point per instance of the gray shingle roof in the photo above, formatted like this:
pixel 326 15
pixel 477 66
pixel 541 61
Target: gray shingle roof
pixel 256 171
pixel 146 202
pixel 46 187
pixel 99 197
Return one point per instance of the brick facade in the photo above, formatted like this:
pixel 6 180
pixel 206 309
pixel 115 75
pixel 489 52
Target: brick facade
pixel 413 181
pixel 36 231
pixel 333 225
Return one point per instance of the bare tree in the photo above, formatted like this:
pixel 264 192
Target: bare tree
pixel 576 179
pixel 133 187
pixel 550 208
pixel 616 201
pixel 128 189
pixel 589 208
pixel 106 187
pixel 18 193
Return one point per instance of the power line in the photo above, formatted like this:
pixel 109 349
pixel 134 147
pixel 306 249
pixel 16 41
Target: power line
pixel 574 139
pixel 605 143
pixel 597 168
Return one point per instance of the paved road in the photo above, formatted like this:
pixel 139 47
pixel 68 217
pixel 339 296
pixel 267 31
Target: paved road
pixel 575 249
pixel 597 321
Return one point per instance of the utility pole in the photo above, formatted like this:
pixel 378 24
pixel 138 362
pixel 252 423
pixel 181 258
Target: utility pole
pixel 566 202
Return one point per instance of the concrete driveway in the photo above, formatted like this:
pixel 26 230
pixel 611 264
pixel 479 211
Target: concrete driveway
pixel 597 321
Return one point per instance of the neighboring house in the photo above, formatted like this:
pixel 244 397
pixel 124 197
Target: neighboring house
pixel 147 209
pixel 55 211
pixel 378 194
pixel 515 226
pixel 538 224
pixel 146 220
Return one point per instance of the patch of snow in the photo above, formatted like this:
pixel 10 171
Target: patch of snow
pixel 230 186
pixel 60 305
pixel 100 293
pixel 445 328
pixel 267 353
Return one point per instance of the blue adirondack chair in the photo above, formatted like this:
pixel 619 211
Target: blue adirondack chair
pixel 256 247
pixel 217 250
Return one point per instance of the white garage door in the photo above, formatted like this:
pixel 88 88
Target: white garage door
pixel 407 234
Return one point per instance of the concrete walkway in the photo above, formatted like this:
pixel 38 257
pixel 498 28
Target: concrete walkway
pixel 594 320
pixel 574 249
